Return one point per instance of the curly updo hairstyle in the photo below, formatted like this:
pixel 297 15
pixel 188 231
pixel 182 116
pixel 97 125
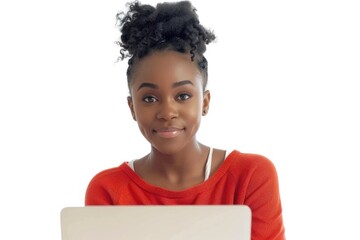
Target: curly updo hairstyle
pixel 168 26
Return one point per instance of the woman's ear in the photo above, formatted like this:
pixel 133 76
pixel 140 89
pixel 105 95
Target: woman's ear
pixel 131 106
pixel 206 102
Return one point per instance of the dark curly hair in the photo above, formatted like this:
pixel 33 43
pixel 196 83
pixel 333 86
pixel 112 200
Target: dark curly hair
pixel 171 26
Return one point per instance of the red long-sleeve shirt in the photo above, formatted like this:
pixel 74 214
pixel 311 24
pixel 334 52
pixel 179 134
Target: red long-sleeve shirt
pixel 247 179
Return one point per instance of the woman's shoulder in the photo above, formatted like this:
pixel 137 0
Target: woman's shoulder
pixel 250 162
pixel 110 173
pixel 104 186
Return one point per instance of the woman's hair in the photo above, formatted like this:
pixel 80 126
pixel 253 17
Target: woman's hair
pixel 171 26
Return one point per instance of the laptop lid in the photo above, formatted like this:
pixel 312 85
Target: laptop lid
pixel 175 222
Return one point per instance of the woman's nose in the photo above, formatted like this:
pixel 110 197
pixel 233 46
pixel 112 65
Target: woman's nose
pixel 167 110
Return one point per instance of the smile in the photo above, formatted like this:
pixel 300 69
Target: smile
pixel 168 132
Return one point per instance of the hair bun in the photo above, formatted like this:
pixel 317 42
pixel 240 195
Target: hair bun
pixel 176 25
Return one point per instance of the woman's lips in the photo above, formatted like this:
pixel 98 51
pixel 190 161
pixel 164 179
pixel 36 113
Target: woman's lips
pixel 168 132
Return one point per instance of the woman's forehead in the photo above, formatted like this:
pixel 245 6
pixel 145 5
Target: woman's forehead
pixel 165 67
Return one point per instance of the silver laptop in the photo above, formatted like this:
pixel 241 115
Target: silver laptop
pixel 174 222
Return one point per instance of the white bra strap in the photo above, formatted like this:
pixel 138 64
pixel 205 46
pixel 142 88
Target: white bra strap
pixel 227 153
pixel 131 164
pixel 208 165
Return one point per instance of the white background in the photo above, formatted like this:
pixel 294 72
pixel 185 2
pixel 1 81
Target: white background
pixel 284 81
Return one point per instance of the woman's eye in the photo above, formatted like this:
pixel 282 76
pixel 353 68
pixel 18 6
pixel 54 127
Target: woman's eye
pixel 183 97
pixel 149 99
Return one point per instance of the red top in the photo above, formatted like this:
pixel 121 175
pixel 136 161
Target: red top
pixel 247 179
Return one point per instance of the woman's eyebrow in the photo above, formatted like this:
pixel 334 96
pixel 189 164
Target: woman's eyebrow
pixel 149 85
pixel 181 83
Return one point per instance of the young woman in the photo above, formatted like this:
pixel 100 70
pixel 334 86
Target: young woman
pixel 167 77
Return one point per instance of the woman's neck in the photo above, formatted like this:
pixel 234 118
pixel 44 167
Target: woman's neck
pixel 183 168
pixel 189 153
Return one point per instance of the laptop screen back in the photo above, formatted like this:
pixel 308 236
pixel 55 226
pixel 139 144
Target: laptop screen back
pixel 176 222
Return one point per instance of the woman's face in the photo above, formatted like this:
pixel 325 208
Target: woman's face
pixel 167 100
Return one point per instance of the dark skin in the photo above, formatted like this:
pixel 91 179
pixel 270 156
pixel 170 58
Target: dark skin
pixel 168 101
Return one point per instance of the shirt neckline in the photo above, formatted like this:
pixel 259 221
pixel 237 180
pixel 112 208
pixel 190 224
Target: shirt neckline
pixel 180 193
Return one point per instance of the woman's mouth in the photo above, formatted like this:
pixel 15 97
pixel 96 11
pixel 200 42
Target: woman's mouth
pixel 170 132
